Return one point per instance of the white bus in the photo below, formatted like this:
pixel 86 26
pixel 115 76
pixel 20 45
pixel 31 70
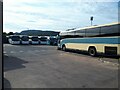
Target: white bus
pixel 94 41
pixel 34 40
pixel 24 39
pixel 44 40
pixel 14 39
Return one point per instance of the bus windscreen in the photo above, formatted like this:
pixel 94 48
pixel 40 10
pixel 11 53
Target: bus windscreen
pixel 15 38
pixel 34 38
pixel 25 38
pixel 43 39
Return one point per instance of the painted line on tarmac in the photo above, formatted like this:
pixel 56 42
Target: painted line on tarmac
pixel 4 52
pixel 6 55
pixel 12 52
pixel 21 51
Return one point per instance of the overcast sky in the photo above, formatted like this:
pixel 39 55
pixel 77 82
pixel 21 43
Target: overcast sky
pixel 57 15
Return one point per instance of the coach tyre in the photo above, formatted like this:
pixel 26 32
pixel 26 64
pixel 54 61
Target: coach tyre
pixel 64 48
pixel 92 51
pixel 58 48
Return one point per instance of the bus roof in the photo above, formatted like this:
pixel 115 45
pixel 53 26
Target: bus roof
pixel 104 25
pixel 71 32
pixel 89 27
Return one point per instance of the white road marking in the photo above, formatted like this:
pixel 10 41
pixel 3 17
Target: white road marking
pixel 4 52
pixel 12 51
pixel 21 51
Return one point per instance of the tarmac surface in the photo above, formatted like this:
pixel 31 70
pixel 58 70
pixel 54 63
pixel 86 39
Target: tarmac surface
pixel 43 66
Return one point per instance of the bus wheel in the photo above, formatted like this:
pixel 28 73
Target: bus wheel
pixel 64 48
pixel 58 48
pixel 92 51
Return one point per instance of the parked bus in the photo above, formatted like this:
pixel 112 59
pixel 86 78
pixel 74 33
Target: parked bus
pixel 44 40
pixel 14 39
pixel 24 39
pixel 34 40
pixel 107 43
pixel 53 40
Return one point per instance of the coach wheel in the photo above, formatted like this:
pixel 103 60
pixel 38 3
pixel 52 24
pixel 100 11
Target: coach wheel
pixel 58 48
pixel 64 48
pixel 92 51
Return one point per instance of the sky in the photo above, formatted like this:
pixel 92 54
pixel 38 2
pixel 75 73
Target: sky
pixel 56 15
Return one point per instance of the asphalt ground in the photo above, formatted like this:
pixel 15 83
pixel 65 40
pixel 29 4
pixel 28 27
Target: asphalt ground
pixel 43 66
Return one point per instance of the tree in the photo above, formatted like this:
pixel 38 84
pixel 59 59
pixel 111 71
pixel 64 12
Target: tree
pixel 4 33
pixel 10 33
pixel 4 38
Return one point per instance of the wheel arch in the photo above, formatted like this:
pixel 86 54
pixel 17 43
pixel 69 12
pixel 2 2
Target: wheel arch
pixel 92 46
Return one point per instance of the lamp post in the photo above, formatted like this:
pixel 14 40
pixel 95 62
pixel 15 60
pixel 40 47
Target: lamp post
pixel 91 19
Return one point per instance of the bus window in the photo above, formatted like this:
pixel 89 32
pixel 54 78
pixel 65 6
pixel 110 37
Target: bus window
pixel 34 40
pixel 14 39
pixel 24 40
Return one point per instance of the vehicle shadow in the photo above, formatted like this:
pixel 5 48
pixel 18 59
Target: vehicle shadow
pixel 11 63
pixel 98 55
pixel 7 85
